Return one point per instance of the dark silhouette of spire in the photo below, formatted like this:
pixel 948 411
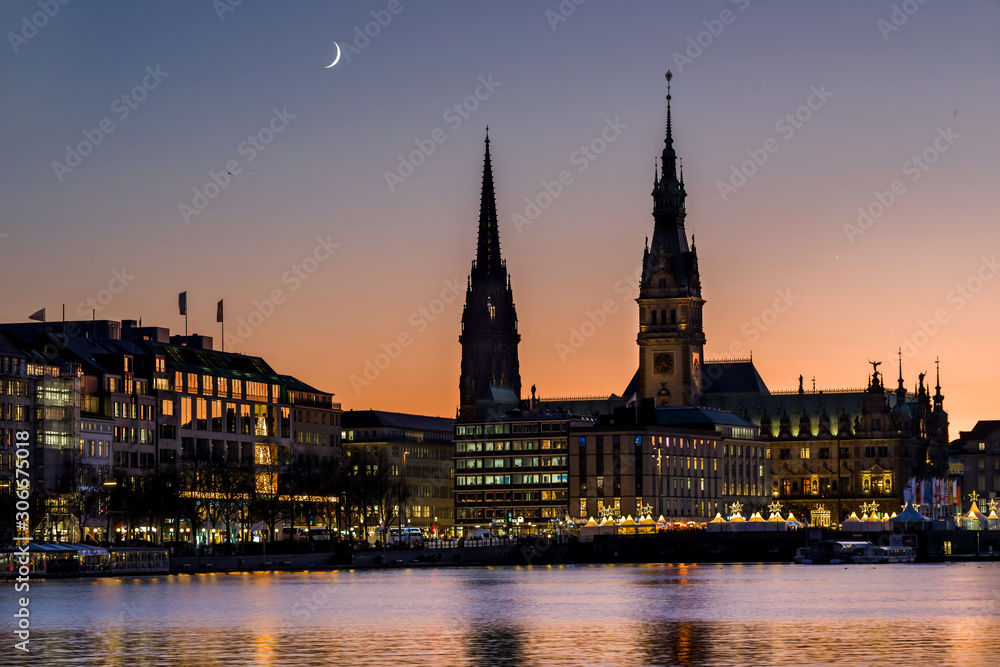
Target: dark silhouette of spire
pixel 901 389
pixel 938 397
pixel 488 258
pixel 669 155
pixel 489 339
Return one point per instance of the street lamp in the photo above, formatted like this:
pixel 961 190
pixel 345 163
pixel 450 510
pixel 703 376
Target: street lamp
pixel 400 506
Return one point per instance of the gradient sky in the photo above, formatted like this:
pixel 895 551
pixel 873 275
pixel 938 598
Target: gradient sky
pixel 894 92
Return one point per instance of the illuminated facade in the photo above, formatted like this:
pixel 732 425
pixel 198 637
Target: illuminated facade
pixel 980 450
pixel 838 450
pixel 415 453
pixel 514 472
pixel 690 465
pixel 170 435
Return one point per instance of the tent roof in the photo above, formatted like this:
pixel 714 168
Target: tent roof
pixel 910 514
pixel 974 513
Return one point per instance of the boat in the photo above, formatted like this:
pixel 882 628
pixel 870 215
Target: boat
pixel 876 554
pixel 869 554
pixel 838 551
pixel 828 552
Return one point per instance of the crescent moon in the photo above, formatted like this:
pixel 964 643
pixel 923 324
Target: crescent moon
pixel 335 60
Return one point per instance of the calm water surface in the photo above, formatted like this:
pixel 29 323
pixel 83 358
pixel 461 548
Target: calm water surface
pixel 572 615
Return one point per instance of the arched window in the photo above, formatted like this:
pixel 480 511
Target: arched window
pixel 673 316
pixel 653 321
pixel 663 316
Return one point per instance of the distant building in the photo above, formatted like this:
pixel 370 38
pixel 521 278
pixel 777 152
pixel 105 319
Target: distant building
pixel 980 449
pixel 178 440
pixel 416 453
pixel 514 471
pixel 532 468
pixel 839 451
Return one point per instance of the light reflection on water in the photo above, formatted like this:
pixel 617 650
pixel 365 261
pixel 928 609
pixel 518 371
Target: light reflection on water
pixel 573 615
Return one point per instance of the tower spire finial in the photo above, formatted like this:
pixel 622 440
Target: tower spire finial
pixel 670 138
pixel 488 252
pixel 901 389
pixel 668 162
pixel 938 397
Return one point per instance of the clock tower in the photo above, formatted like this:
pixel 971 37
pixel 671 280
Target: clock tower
pixel 671 339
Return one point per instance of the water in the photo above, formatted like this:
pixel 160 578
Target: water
pixel 573 615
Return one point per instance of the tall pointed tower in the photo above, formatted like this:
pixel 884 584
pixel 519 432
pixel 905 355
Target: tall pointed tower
pixel 670 338
pixel 489 338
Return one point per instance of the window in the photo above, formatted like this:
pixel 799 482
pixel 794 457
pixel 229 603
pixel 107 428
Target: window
pixel 804 453
pixel 201 406
pixel 185 412
pixel 785 454
pixel 824 452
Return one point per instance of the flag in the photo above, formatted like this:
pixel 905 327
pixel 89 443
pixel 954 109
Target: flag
pixel 39 316
pixel 182 302
pixel 218 315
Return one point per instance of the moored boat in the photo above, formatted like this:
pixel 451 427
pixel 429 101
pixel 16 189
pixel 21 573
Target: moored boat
pixel 828 552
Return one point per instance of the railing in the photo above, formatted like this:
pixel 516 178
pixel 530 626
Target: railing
pixel 557 399
pixel 848 390
pixel 468 542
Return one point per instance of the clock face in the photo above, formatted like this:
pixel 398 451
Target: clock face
pixel 663 362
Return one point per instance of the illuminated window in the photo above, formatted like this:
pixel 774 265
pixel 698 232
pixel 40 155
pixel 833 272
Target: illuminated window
pixel 185 412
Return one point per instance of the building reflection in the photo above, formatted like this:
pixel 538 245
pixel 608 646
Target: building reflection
pixel 489 642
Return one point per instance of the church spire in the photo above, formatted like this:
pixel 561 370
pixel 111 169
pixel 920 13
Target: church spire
pixel 490 377
pixel 938 397
pixel 488 249
pixel 669 155
pixel 901 389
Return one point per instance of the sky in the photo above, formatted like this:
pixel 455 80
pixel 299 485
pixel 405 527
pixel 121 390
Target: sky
pixel 839 159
